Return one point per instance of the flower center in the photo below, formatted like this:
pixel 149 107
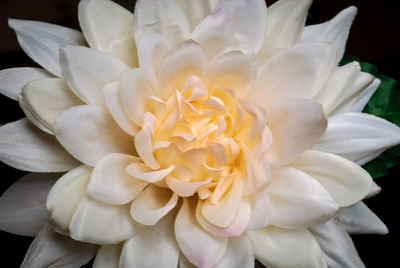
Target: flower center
pixel 207 136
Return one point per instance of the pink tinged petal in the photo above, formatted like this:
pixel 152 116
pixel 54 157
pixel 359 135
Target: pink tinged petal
pixel 110 183
pixel 86 71
pixel 46 99
pixel 195 11
pixel 153 246
pixel 359 219
pixel 358 137
pixel 298 200
pixel 25 147
pixel 238 254
pixel 151 50
pixel 182 188
pixel 235 229
pixel 65 196
pixel 299 71
pixel 338 248
pixel 108 256
pixel 14 79
pixel 285 23
pixel 232 70
pixel 142 172
pixel 22 205
pixel 215 33
pixel 107 27
pixel 296 125
pixel 339 82
pixel 335 31
pixel 137 85
pixel 365 96
pixel 183 61
pixel 260 210
pixel 114 103
pixel 249 19
pixel 345 181
pixel 42 41
pixel 51 249
pixel 199 247
pixel 152 204
pixel 89 133
pixel 99 223
pixel 163 17
pixel 223 213
pixel 291 248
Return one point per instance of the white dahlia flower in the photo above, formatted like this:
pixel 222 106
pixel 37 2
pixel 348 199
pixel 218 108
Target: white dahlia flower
pixel 199 133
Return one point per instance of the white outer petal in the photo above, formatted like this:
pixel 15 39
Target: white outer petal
pixel 42 41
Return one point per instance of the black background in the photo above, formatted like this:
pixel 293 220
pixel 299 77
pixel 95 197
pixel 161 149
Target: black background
pixel 374 38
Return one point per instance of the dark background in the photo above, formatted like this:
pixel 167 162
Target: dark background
pixel 374 38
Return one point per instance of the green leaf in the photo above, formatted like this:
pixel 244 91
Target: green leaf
pixel 385 103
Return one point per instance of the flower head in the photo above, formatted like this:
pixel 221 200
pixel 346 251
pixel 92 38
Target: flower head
pixel 203 132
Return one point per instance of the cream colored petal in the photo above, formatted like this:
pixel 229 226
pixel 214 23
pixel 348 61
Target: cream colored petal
pixel 51 249
pixel 299 71
pixel 89 133
pixel 137 85
pixel 142 172
pixel 14 79
pixel 152 204
pixel 296 125
pixel 152 246
pixel 151 49
pixel 249 19
pixel 32 118
pixel 107 27
pixel 161 16
pixel 64 197
pixel 99 223
pixel 336 30
pixel 232 70
pixel 86 71
pixel 182 188
pixel 345 181
pixel 285 23
pixel 291 248
pixel 110 183
pixel 114 103
pixel 195 11
pixel 238 254
pixel 25 147
pixel 144 147
pixel 42 41
pixel 22 205
pixel 108 256
pixel 223 213
pixel 215 33
pixel 182 61
pixel 298 200
pixel 236 228
pixel 258 173
pixel 340 81
pixel 46 99
pixel 358 137
pixel 200 247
